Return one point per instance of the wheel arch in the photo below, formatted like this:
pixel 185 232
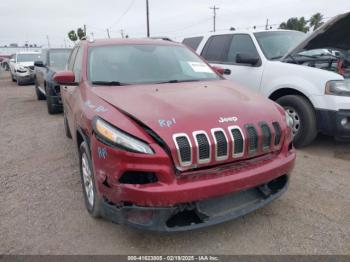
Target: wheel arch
pixel 82 137
pixel 275 95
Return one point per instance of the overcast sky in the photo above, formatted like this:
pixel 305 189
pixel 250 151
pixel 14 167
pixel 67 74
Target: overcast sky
pixel 23 20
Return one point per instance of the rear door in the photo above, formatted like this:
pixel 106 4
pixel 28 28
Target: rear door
pixel 222 50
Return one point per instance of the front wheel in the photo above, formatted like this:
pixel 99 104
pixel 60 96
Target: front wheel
pixel 52 107
pixel 92 201
pixel 304 119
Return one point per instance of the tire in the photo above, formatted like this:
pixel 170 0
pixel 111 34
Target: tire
pixel 12 78
pixel 39 95
pixel 93 203
pixel 303 113
pixel 66 127
pixel 51 108
pixel 19 82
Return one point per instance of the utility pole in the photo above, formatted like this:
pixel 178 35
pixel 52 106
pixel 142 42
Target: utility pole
pixel 267 24
pixel 85 29
pixel 108 33
pixel 214 8
pixel 122 33
pixel 48 41
pixel 147 15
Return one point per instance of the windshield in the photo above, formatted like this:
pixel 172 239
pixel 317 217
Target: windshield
pixel 275 45
pixel 143 64
pixel 58 58
pixel 28 57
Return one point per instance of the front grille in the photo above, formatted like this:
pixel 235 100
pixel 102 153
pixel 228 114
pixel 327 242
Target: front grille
pixel 252 139
pixel 238 141
pixel 203 146
pixel 184 149
pixel 220 144
pixel 277 128
pixel 266 136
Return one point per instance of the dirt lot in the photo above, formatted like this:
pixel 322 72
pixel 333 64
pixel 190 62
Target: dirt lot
pixel 42 210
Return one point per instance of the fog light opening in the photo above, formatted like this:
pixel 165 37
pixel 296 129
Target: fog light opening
pixel 138 178
pixel 345 122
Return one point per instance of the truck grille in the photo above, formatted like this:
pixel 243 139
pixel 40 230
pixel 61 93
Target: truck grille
pixel 220 143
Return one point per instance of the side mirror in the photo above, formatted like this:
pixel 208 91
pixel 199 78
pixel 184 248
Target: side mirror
pixel 246 58
pixel 65 78
pixel 39 63
pixel 221 70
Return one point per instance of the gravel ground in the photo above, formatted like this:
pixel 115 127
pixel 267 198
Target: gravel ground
pixel 42 210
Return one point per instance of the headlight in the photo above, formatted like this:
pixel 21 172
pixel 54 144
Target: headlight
pixel 338 88
pixel 21 69
pixel 119 138
pixel 289 120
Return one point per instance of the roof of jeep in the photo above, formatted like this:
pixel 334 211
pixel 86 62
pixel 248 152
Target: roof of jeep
pixel 130 41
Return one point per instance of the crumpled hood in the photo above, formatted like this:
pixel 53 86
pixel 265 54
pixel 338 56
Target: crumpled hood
pixel 333 34
pixel 186 107
pixel 24 64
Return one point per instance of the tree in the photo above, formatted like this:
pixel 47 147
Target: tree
pixel 316 20
pixel 72 36
pixel 80 33
pixel 294 23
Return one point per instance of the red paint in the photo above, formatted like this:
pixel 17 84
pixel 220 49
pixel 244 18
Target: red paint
pixel 190 107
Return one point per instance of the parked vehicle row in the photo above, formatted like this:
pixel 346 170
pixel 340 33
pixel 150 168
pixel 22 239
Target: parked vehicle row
pixel 309 78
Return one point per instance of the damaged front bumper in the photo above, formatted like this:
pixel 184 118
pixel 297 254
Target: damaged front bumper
pixel 198 214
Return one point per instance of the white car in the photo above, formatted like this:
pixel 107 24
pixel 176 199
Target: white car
pixel 22 67
pixel 313 86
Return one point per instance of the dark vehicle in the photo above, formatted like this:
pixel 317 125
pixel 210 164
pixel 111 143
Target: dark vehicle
pixel 165 143
pixel 53 60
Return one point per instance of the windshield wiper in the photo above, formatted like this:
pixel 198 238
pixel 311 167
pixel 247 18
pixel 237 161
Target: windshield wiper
pixel 178 81
pixel 276 57
pixel 108 83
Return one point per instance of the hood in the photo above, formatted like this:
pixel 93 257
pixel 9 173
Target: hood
pixel 25 64
pixel 170 109
pixel 333 34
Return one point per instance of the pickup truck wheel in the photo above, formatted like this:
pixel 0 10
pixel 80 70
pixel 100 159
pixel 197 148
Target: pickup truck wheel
pixel 39 95
pixel 304 119
pixel 66 127
pixel 92 201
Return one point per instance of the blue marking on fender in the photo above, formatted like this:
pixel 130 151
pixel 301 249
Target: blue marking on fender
pixel 102 152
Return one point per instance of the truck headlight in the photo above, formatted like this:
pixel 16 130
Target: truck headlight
pixel 338 88
pixel 289 120
pixel 120 139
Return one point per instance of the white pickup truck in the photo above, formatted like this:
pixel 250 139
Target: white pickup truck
pixel 310 78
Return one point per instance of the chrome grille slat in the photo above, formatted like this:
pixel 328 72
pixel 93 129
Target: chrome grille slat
pixel 203 146
pixel 253 139
pixel 238 141
pixel 184 149
pixel 278 133
pixel 266 136
pixel 221 144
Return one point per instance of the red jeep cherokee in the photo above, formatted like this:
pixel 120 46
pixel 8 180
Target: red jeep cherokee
pixel 167 144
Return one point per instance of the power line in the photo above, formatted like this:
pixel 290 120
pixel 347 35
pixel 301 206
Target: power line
pixel 214 8
pixel 122 16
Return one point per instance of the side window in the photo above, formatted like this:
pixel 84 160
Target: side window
pixel 78 64
pixel 193 42
pixel 216 48
pixel 73 54
pixel 241 44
